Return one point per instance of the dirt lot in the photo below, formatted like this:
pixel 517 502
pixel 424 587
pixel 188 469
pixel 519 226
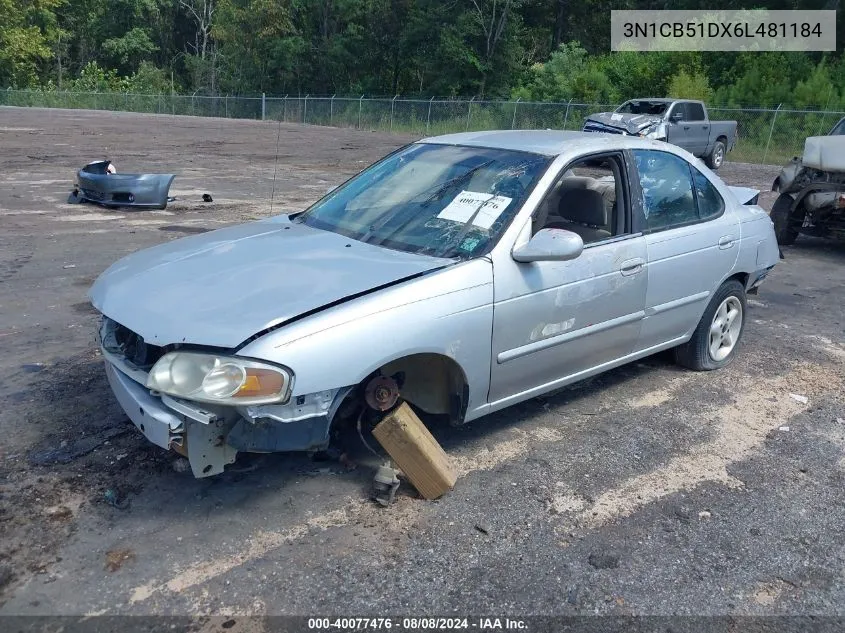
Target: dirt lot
pixel 648 490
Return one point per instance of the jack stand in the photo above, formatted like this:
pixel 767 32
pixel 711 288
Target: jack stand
pixel 385 484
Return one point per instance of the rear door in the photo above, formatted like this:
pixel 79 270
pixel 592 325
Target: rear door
pixel 692 241
pixel 697 128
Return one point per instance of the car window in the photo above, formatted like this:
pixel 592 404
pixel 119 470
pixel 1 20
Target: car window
pixel 667 189
pixel 695 112
pixel 838 129
pixel 678 110
pixel 440 200
pixel 643 107
pixel 588 199
pixel 710 202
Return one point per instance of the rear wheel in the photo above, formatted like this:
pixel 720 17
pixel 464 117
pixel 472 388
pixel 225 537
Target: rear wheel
pixel 715 340
pixel 717 155
pixel 787 223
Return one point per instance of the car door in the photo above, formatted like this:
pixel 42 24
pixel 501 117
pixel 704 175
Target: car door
pixel 697 128
pixel 692 241
pixel 677 127
pixel 554 322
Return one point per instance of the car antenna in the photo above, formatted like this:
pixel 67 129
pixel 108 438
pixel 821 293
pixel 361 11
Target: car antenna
pixel 275 164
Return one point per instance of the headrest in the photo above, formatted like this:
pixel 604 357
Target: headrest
pixel 584 206
pixel 576 182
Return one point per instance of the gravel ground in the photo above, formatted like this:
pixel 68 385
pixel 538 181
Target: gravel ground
pixel 647 490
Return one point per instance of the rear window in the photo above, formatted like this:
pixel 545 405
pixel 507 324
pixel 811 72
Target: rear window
pixel 695 112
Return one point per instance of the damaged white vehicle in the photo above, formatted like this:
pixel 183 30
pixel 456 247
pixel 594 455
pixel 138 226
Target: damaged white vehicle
pixel 462 274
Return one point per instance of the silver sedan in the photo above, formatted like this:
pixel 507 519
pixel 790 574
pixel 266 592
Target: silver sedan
pixel 462 274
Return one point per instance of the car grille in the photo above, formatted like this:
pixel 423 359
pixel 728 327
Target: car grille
pixel 127 345
pixel 93 195
pixel 599 127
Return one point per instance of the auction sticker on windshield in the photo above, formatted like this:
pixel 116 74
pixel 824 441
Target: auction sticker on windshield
pixel 488 206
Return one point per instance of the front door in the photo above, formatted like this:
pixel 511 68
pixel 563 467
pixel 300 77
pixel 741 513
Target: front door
pixel 555 321
pixel 678 129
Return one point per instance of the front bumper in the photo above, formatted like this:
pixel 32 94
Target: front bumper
pixel 203 443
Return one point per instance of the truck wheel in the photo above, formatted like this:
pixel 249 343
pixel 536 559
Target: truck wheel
pixel 786 223
pixel 714 342
pixel 716 156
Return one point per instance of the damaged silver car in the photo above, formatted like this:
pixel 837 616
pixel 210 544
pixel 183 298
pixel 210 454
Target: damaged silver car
pixel 461 274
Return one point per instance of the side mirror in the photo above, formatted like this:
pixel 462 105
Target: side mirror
pixel 550 245
pixel 676 116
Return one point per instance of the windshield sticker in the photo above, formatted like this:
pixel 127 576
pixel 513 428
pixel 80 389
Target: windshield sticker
pixel 466 203
pixel 615 117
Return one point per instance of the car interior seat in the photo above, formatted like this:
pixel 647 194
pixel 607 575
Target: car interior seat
pixel 582 211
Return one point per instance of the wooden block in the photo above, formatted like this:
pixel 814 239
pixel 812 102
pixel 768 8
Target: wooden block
pixel 416 452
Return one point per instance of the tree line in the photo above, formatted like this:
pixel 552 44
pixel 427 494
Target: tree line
pixel 528 49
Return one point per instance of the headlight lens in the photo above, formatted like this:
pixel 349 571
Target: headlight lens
pixel 220 379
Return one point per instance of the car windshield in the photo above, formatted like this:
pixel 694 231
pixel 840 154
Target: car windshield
pixel 643 107
pixel 439 200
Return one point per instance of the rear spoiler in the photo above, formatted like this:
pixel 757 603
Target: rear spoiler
pixel 745 195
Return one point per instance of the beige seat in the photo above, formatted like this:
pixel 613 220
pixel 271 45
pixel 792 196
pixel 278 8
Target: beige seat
pixel 581 211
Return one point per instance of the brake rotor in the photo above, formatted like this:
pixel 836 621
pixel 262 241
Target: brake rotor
pixel 381 393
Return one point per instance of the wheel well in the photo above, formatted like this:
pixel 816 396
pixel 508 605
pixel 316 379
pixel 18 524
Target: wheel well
pixel 741 278
pixel 723 138
pixel 432 382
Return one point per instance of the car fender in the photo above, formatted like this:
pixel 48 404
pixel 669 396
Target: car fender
pixel 448 312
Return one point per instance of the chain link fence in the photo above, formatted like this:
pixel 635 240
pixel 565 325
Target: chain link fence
pixel 769 135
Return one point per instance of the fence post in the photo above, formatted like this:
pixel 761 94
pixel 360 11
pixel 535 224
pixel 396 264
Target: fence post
pixel 285 110
pixel 392 101
pixel 513 121
pixel 469 112
pixel 360 103
pixel 305 111
pixel 226 104
pixel 428 118
pixel 566 118
pixel 331 111
pixel 771 129
pixel 263 105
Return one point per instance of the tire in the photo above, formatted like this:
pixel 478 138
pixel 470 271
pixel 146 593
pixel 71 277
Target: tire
pixel 786 224
pixel 717 155
pixel 708 350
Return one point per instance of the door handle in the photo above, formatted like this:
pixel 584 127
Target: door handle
pixel 686 127
pixel 632 266
pixel 726 241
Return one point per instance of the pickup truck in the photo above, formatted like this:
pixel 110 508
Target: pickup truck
pixel 678 121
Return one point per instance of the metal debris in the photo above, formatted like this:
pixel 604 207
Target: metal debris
pixel 385 484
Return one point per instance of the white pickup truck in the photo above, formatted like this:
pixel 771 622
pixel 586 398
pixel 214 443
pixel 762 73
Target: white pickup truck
pixel 681 122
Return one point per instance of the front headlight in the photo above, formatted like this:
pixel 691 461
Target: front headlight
pixel 219 379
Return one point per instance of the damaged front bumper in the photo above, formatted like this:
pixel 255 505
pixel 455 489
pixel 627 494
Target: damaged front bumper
pixel 95 184
pixel 211 436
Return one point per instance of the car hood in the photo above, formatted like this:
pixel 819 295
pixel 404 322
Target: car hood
pixel 220 288
pixel 631 123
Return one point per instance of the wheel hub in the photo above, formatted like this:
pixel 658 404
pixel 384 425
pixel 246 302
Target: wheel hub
pixel 381 393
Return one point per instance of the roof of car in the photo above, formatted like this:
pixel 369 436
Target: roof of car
pixel 546 142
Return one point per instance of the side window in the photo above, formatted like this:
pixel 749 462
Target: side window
pixel 667 189
pixel 695 112
pixel 678 110
pixel 589 198
pixel 710 202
